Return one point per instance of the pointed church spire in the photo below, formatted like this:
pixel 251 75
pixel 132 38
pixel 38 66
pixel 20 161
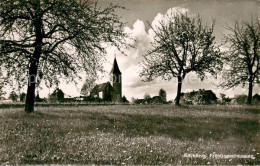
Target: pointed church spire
pixel 115 69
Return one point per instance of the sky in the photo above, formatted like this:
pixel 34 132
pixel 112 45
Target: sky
pixel 137 15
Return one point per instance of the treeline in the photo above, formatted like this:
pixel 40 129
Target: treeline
pixel 200 97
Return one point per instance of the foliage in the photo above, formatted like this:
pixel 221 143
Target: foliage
pixel 162 94
pixel 2 92
pixel 139 101
pixel 22 97
pixel 243 56
pixel 181 45
pixel 124 100
pixel 224 99
pixel 57 95
pixel 150 100
pixel 256 99
pixel 13 96
pixel 50 39
pixel 241 99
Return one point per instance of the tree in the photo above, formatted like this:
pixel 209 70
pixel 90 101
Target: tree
pixel 2 92
pixel 87 86
pixel 162 94
pixel 181 45
pixel 13 96
pixel 124 100
pixel 22 97
pixel 49 39
pixel 57 95
pixel 243 56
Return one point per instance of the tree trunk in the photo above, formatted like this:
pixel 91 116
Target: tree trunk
pixel 29 104
pixel 177 99
pixel 250 92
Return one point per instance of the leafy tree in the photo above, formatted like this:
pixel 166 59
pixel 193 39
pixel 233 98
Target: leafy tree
pixel 181 45
pixel 22 97
pixel 57 95
pixel 124 100
pixel 243 56
pixel 13 96
pixel 162 94
pixel 49 39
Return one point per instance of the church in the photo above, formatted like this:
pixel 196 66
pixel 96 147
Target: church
pixel 110 91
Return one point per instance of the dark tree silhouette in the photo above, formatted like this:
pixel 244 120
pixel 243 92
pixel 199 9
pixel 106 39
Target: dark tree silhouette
pixel 243 56
pixel 162 94
pixel 57 95
pixel 124 100
pixel 13 96
pixel 49 39
pixel 22 97
pixel 181 45
pixel 2 92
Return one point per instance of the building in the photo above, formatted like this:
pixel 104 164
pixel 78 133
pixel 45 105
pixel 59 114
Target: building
pixel 110 91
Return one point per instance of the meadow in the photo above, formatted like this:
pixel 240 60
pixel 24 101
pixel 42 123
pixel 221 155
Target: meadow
pixel 130 134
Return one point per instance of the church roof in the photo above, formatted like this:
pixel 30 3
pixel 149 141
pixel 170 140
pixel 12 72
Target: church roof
pixel 115 69
pixel 101 87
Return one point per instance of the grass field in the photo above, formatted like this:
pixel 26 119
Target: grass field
pixel 130 134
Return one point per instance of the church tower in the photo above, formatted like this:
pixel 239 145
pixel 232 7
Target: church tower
pixel 116 78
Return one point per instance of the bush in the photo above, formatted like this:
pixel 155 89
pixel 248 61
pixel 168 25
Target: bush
pixel 22 97
pixel 13 96
pixel 241 99
pixel 139 101
pixel 124 100
pixel 256 99
pixel 224 99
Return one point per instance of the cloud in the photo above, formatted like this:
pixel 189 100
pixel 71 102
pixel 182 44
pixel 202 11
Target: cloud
pixel 159 18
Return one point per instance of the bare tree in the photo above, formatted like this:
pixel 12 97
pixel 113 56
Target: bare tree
pixel 243 56
pixel 181 45
pixel 49 39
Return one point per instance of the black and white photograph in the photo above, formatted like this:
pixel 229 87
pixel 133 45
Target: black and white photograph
pixel 129 82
